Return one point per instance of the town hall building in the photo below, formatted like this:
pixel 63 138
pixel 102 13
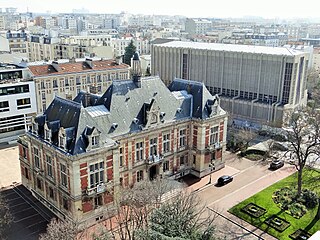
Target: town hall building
pixel 79 152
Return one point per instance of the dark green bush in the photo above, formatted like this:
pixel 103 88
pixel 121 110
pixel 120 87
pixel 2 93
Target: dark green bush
pixel 309 198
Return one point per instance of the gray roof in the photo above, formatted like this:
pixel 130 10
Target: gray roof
pixel 232 48
pixel 123 109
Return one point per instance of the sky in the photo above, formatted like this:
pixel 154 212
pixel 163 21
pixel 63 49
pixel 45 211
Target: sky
pixel 189 8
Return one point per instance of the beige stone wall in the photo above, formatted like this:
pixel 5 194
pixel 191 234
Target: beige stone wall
pixel 69 87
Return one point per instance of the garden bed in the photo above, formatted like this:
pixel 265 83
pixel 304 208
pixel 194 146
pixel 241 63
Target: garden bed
pixel 300 235
pixel 254 210
pixel 277 223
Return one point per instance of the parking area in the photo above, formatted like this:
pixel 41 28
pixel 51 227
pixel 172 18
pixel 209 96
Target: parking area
pixel 30 217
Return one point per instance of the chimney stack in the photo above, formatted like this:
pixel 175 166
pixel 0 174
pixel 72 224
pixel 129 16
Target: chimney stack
pixel 136 69
pixel 56 66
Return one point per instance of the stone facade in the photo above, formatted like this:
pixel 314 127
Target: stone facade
pixel 76 176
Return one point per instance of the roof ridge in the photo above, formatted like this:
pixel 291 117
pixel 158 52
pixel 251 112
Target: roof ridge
pixel 68 101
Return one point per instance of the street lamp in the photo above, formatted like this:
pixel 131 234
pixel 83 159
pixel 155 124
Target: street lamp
pixel 211 169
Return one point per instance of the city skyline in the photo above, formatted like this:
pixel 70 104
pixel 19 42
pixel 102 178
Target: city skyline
pixel 203 8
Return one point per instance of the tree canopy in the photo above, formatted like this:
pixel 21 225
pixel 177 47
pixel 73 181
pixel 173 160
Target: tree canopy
pixel 129 51
pixel 183 217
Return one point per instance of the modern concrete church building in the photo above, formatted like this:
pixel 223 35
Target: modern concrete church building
pixel 79 152
pixel 254 82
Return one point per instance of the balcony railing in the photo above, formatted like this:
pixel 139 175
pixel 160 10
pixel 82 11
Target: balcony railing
pixel 214 146
pixel 154 159
pixel 96 190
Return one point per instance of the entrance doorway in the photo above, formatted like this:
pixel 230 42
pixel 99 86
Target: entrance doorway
pixel 153 172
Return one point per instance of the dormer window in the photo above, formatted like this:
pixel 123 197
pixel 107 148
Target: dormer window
pixel 35 127
pixel 62 141
pixel 62 138
pixel 47 133
pixel 93 136
pixel 95 140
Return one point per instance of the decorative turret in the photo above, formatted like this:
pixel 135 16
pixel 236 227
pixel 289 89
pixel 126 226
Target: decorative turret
pixel 136 69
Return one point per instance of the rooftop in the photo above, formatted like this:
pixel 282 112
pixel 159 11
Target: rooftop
pixel 233 48
pixel 49 69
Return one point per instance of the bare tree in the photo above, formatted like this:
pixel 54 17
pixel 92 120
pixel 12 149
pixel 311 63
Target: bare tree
pixel 134 205
pixel 5 217
pixel 313 85
pixel 62 230
pixel 304 140
pixel 182 217
pixel 244 137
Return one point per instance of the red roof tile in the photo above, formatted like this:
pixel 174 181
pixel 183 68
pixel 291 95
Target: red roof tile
pixel 78 67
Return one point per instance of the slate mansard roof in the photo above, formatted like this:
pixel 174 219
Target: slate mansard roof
pixel 124 108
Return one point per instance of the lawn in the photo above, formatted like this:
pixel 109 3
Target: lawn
pixel 264 200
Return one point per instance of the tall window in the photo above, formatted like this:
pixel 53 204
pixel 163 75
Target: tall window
pixel 98 201
pixel 65 203
pixel 287 83
pixel 63 175
pixel 214 135
pixel 182 160
pixel 185 66
pixel 95 140
pixel 153 146
pixel 165 166
pixel 139 176
pixel 55 83
pixel 139 151
pixel 182 137
pixel 121 157
pixel 78 81
pixel 39 183
pixel 166 142
pixel 51 193
pixel 96 174
pixel 24 152
pixel 36 157
pixel 47 134
pixel 49 166
pixel 62 141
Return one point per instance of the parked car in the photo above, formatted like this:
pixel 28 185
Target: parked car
pixel 224 180
pixel 276 164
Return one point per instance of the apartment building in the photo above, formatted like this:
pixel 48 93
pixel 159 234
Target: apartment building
pixel 254 82
pixel 17 102
pixel 69 78
pixel 197 26
pixel 17 41
pixel 40 48
pixel 142 45
pixel 79 152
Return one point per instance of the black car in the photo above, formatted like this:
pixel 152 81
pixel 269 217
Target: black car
pixel 224 180
pixel 276 164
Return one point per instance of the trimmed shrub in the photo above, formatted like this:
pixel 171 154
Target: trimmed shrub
pixel 310 199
